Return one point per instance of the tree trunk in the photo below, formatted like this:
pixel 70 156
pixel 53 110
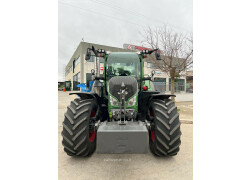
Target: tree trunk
pixel 172 74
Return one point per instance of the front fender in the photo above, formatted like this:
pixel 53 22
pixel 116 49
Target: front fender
pixel 145 99
pixel 86 95
pixel 161 96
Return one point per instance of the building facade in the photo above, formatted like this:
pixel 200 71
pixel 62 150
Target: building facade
pixel 78 69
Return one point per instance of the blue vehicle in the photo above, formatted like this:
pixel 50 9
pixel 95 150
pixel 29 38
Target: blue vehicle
pixel 84 87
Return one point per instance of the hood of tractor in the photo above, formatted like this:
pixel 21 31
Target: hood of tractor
pixel 115 85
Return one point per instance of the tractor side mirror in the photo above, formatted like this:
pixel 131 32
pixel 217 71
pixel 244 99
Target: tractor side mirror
pixel 88 54
pixel 157 56
pixel 152 73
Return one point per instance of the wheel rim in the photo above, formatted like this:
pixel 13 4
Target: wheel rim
pixel 152 135
pixel 152 132
pixel 92 134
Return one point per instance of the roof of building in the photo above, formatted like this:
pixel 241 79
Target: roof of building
pixel 82 48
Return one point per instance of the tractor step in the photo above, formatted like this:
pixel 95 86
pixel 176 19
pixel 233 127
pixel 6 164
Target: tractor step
pixel 131 138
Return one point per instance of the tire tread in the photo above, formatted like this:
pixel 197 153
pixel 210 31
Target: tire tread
pixel 75 131
pixel 167 128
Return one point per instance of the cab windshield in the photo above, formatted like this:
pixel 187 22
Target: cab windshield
pixel 123 64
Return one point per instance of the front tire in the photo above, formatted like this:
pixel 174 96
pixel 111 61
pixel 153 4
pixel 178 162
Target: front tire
pixel 165 132
pixel 79 137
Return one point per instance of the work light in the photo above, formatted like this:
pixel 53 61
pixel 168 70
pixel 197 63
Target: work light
pixel 132 101
pixel 113 101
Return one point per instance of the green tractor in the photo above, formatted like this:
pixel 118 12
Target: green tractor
pixel 122 113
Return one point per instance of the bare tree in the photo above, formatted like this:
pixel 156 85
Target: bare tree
pixel 176 51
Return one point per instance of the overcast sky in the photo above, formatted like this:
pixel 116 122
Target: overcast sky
pixel 115 22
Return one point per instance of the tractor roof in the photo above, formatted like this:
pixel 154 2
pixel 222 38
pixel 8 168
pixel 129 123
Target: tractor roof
pixel 123 56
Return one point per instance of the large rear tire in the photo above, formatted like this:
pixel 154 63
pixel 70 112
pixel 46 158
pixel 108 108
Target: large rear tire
pixel 79 136
pixel 164 136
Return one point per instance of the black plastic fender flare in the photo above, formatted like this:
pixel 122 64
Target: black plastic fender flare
pixel 161 96
pixel 89 95
pixel 145 99
pixel 86 95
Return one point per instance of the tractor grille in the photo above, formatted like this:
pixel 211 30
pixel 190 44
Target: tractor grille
pixel 115 86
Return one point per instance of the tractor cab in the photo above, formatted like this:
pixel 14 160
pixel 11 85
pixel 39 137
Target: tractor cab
pixel 123 64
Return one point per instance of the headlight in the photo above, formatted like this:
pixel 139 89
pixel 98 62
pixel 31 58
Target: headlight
pixel 113 101
pixel 132 101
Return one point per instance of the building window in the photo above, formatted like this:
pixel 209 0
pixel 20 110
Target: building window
pixel 101 60
pixel 76 81
pixel 160 84
pixel 158 72
pixel 92 59
pixel 179 85
pixel 77 61
pixel 150 65
pixel 77 77
pixel 68 71
pixel 88 78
